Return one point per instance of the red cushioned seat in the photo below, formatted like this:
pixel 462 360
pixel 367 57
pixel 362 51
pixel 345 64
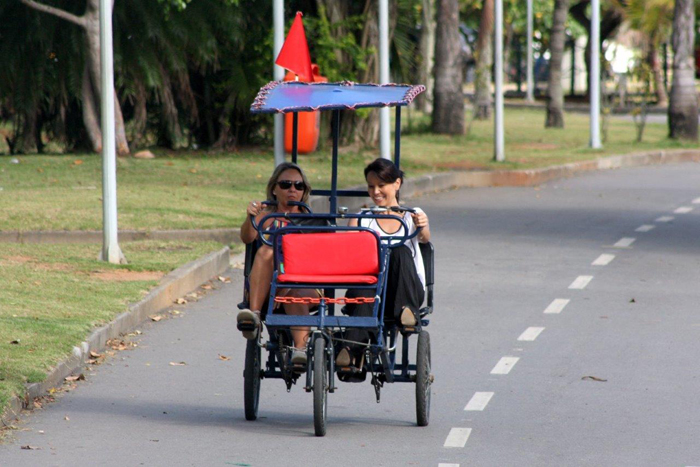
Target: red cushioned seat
pixel 332 258
pixel 340 279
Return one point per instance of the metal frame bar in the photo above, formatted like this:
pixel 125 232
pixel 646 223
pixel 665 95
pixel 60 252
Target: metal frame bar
pixel 397 139
pixel 295 136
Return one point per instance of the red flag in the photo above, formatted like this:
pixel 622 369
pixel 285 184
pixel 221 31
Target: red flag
pixel 294 55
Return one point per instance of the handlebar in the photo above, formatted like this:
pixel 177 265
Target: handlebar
pixel 256 226
pixel 374 213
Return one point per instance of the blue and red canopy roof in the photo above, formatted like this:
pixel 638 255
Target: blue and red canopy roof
pixel 295 96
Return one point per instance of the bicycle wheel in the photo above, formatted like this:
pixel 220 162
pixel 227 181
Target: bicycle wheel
pixel 423 379
pixel 251 379
pixel 320 386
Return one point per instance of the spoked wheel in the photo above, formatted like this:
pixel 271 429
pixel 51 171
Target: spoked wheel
pixel 251 379
pixel 320 386
pixel 423 379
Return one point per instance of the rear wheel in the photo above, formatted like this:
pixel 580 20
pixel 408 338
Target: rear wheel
pixel 423 379
pixel 320 386
pixel 251 379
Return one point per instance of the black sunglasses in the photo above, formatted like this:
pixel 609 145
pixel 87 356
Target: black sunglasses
pixel 287 184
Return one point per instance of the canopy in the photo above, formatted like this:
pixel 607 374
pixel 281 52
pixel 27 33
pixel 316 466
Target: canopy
pixel 295 96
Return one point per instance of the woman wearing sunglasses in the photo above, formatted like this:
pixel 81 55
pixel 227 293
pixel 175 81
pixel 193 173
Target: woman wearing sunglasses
pixel 287 183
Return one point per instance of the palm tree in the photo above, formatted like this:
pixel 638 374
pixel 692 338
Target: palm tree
pixel 555 92
pixel 683 106
pixel 448 100
pixel 484 61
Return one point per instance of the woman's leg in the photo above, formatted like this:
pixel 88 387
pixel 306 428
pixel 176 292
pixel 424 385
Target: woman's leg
pixel 299 334
pixel 403 288
pixel 260 277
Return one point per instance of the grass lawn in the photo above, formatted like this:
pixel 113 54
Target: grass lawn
pixel 53 296
pixel 186 190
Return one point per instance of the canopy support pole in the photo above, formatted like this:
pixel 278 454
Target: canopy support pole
pixel 295 135
pixel 397 138
pixel 334 174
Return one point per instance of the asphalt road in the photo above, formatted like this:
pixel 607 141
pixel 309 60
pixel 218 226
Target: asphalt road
pixel 604 374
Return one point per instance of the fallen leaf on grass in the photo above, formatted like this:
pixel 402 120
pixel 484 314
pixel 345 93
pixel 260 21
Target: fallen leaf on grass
pixel 224 357
pixel 38 405
pixel 181 301
pixel 155 318
pixel 178 363
pixel 80 377
pixel 30 448
pixel 593 378
pixel 77 162
pixel 94 354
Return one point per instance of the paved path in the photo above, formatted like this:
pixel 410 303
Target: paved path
pixel 603 374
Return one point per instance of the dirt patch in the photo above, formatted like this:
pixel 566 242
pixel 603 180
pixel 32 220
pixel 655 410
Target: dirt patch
pixel 53 266
pixel 460 165
pixel 122 275
pixel 19 259
pixel 545 146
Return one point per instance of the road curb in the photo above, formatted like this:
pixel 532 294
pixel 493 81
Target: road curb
pixel 173 285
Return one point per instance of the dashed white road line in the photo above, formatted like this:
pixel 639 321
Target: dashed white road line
pixel 448 465
pixel 530 334
pixel 479 401
pixel 665 219
pixel 696 201
pixel 580 282
pixel 603 260
pixel 557 305
pixel 457 438
pixel 624 242
pixel 644 228
pixel 504 365
pixel 683 210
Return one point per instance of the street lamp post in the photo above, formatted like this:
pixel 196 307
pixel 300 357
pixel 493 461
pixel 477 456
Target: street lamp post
pixel 499 151
pixel 110 245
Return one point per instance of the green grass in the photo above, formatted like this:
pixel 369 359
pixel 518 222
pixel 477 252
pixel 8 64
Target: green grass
pixel 187 190
pixel 53 296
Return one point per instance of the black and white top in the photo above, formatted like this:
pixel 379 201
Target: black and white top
pixel 412 244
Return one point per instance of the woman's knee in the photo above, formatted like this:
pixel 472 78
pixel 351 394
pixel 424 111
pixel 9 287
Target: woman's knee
pixel 264 254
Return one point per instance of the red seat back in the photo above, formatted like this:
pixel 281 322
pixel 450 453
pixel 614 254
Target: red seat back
pixel 330 254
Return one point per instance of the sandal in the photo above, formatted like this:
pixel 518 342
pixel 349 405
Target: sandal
pixel 248 323
pixel 343 359
pixel 299 357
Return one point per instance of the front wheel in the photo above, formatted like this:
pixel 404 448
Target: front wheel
pixel 423 379
pixel 251 379
pixel 320 386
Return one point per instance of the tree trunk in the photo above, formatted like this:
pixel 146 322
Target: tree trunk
pixel 448 111
pixel 424 102
pixel 658 76
pixel 90 22
pixel 683 105
pixel 557 41
pixel 91 119
pixel 484 61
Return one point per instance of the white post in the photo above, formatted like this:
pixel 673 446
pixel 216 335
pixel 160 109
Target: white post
pixel 530 92
pixel 278 74
pixel 499 152
pixel 595 75
pixel 384 131
pixel 110 245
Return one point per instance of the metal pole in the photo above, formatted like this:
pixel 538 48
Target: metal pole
pixel 499 152
pixel 595 74
pixel 384 136
pixel 397 138
pixel 295 136
pixel 334 168
pixel 110 245
pixel 278 74
pixel 530 96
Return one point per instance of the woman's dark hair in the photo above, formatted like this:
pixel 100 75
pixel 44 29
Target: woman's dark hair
pixel 386 171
